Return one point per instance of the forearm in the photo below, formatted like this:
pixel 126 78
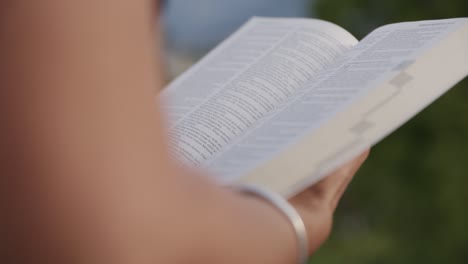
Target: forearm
pixel 220 226
pixel 91 166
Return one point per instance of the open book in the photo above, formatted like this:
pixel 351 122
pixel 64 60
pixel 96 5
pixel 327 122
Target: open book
pixel 283 102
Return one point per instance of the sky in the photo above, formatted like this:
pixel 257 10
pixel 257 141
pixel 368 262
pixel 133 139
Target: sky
pixel 196 26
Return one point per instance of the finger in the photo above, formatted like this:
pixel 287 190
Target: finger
pixel 330 187
pixel 316 205
pixel 341 190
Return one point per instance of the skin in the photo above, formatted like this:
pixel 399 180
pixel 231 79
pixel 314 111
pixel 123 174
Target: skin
pixel 85 171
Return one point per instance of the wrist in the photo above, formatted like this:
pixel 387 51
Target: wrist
pixel 288 213
pixel 318 222
pixel 278 234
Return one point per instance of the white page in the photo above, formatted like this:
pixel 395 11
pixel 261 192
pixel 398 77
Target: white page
pixel 244 79
pixel 378 58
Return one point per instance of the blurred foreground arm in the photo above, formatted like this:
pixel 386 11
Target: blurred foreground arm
pixel 85 174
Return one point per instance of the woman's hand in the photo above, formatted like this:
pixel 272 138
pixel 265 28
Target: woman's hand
pixel 92 180
pixel 317 204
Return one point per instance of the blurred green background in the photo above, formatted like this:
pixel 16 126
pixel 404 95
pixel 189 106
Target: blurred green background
pixel 409 203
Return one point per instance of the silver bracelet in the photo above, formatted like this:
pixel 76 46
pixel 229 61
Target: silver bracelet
pixel 288 210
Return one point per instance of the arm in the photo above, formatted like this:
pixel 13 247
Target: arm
pixel 86 177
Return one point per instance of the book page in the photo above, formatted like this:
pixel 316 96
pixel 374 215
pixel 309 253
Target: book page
pixel 329 122
pixel 248 76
